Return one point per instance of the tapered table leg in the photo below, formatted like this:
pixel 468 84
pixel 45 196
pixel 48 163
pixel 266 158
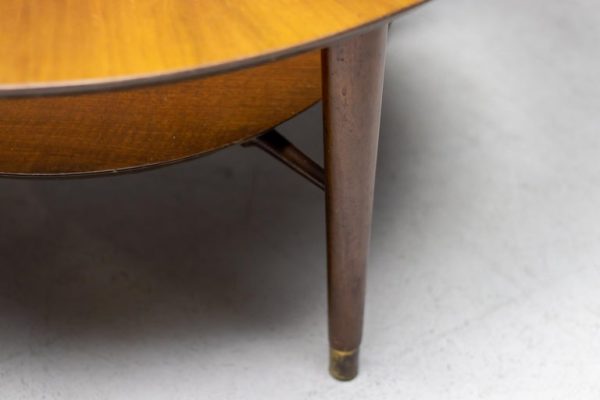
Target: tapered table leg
pixel 352 88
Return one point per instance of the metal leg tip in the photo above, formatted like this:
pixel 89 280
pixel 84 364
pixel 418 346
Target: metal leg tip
pixel 343 364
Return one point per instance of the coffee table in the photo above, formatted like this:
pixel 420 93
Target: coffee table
pixel 93 87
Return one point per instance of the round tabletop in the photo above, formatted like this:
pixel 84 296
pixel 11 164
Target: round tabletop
pixel 61 46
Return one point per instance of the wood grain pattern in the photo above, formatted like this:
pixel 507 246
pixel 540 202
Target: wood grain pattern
pixel 65 44
pixel 118 130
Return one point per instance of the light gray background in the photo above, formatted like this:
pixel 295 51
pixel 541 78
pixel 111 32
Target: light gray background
pixel 207 280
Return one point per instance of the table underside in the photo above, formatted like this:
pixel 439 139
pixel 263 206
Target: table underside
pixel 139 128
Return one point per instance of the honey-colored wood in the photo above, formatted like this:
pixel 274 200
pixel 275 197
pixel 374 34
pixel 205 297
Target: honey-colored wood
pixel 62 45
pixel 109 131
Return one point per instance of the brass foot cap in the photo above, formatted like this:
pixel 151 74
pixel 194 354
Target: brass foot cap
pixel 343 364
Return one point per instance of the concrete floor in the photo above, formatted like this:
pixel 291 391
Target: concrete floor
pixel 207 280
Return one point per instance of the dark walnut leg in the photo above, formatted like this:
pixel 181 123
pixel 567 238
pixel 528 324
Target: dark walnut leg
pixel 352 88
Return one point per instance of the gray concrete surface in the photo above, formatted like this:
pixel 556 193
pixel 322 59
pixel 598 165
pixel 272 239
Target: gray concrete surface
pixel 207 281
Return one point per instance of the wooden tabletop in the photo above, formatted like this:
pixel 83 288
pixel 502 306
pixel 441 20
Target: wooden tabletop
pixel 57 46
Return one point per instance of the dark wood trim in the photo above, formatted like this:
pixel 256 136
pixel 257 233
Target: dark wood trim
pixel 277 146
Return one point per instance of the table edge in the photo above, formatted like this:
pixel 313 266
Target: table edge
pixel 132 81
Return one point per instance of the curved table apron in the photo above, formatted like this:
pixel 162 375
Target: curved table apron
pixel 124 130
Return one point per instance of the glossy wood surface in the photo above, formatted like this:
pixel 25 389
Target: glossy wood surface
pixel 109 131
pixel 55 45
